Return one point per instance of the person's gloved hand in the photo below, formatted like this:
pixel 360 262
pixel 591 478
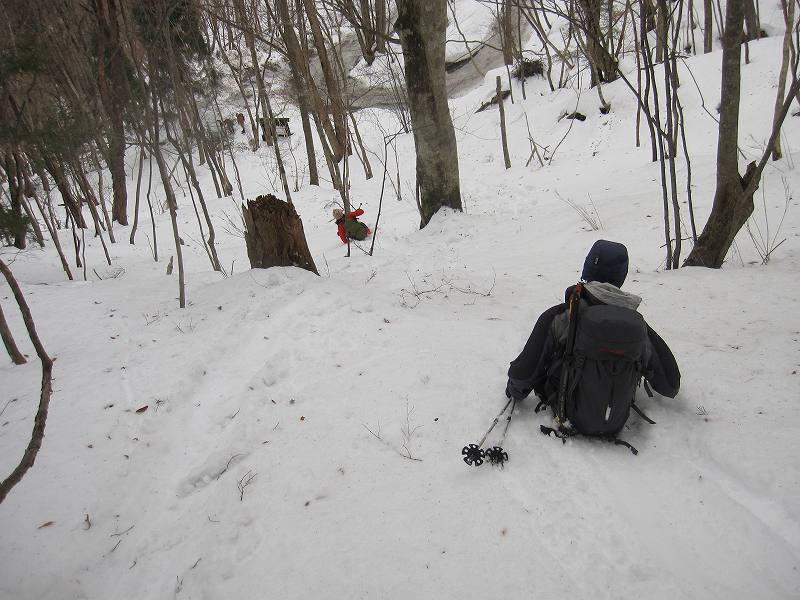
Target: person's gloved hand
pixel 513 392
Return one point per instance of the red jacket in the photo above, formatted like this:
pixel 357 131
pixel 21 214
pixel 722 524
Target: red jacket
pixel 349 216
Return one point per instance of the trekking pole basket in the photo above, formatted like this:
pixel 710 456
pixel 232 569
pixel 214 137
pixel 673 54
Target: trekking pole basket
pixel 473 453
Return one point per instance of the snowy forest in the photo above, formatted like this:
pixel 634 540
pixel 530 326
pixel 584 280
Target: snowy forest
pixel 265 264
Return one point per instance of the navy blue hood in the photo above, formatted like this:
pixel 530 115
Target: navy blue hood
pixel 607 262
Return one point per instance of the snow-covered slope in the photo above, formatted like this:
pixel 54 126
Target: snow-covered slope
pixel 348 397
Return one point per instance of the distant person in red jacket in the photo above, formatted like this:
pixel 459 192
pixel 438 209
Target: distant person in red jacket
pixel 349 226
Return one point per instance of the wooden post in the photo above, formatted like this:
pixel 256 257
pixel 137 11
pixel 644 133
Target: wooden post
pixel 506 158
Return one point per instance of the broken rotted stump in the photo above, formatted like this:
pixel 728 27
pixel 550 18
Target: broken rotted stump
pixel 274 235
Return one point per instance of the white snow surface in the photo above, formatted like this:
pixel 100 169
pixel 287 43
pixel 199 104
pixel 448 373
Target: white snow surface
pixel 318 386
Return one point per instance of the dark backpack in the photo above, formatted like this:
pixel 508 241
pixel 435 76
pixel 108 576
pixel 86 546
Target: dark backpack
pixel 355 229
pixel 604 353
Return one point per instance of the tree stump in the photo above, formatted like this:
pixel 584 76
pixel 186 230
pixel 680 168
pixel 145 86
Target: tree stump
pixel 274 235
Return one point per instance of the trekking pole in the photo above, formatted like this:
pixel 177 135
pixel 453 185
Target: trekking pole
pixel 496 455
pixel 572 311
pixel 472 453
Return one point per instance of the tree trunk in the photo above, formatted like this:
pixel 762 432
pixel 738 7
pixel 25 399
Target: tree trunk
pixel 302 82
pixel 507 32
pixel 116 164
pixel 138 196
pixel 303 101
pixel 731 208
pixel 671 92
pixel 661 32
pixel 50 223
pixel 15 192
pixel 71 204
pixel 277 149
pixel 113 88
pixel 604 65
pixel 172 203
pixel 28 191
pixel 648 14
pixel 421 27
pixel 247 31
pixel 102 200
pixel 8 341
pixel 788 17
pixel 708 26
pixel 361 151
pixel 751 20
pixel 37 434
pixel 368 30
pixel 380 25
pixel 274 235
pixel 333 167
pixel 337 134
pixel 185 156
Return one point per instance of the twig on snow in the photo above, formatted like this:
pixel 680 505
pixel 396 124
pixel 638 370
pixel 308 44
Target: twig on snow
pixel 227 466
pixel 122 532
pixel 242 484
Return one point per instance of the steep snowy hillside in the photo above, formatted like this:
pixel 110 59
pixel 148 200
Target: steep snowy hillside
pixel 294 436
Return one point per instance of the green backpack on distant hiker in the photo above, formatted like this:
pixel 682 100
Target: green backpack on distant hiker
pixel 348 225
pixel 355 229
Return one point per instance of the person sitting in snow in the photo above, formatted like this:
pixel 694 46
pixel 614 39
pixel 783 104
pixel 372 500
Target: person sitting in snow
pixel 349 227
pixel 604 272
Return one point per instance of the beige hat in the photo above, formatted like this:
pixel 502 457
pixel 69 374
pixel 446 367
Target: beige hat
pixel 338 213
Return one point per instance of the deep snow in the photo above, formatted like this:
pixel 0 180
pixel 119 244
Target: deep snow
pixel 290 377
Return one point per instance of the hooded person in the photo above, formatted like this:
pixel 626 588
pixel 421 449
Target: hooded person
pixel 348 226
pixel 604 272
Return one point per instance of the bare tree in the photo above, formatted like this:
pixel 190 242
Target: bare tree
pixel 37 435
pixel 421 26
pixel 8 341
pixel 752 26
pixel 336 127
pixel 733 200
pixel 789 52
pixel 113 87
pixel 604 65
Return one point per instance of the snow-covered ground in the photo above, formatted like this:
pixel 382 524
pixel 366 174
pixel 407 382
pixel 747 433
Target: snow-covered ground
pixel 348 397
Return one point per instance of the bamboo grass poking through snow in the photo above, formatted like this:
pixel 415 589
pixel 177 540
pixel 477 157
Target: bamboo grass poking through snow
pixel 593 220
pixel 377 435
pixel 242 484
pixel 764 241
